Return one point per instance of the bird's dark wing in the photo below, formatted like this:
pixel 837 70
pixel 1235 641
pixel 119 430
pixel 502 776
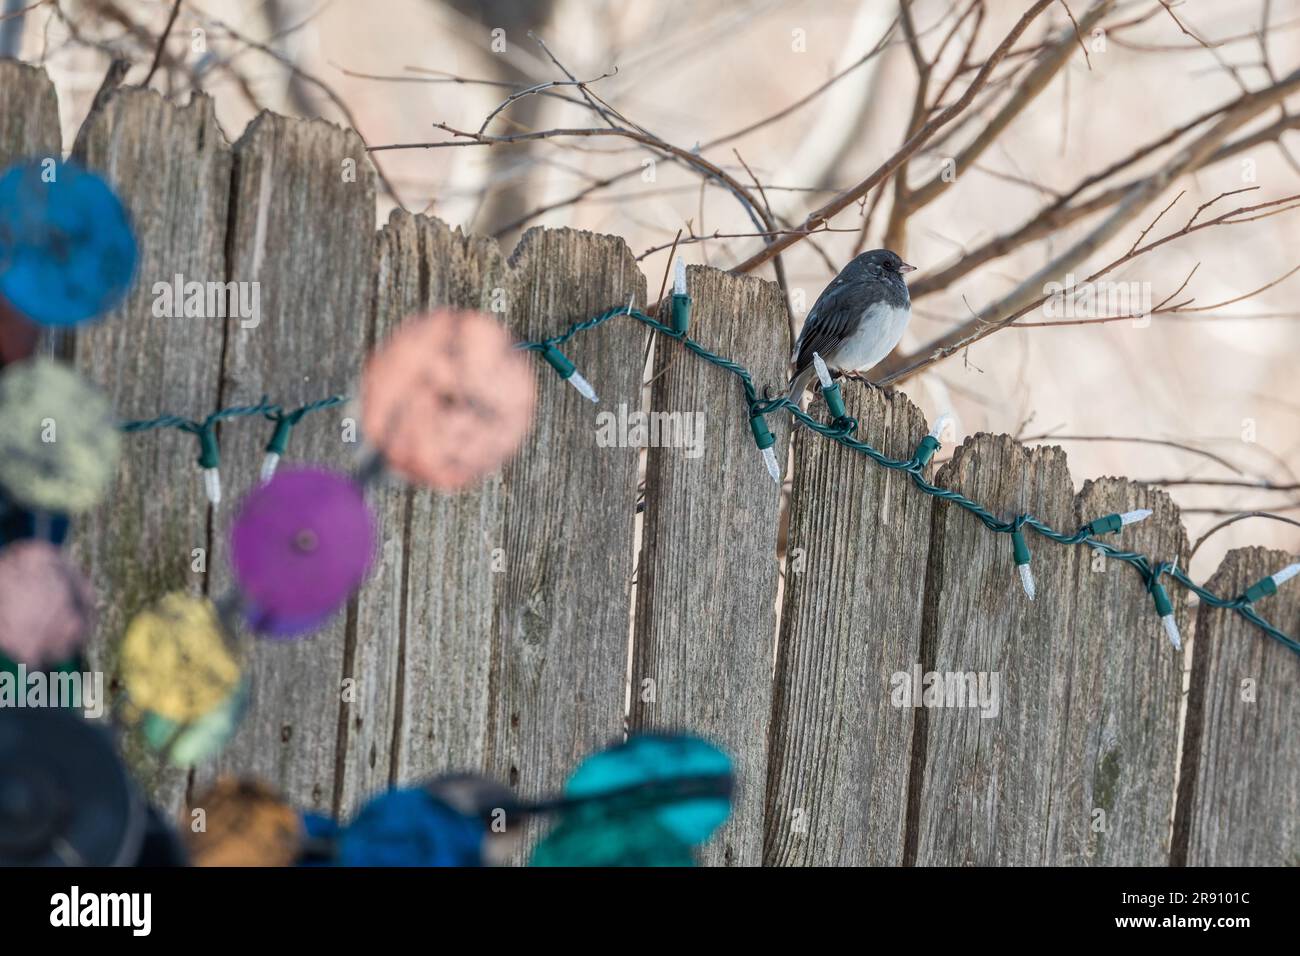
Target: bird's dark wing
pixel 834 316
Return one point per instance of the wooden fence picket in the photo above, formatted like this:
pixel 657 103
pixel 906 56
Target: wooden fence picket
pixel 1117 748
pixel 172 168
pixel 563 600
pixel 984 787
pixel 707 573
pixel 302 228
pixel 29 114
pixel 859 543
pixel 1239 792
pixel 423 654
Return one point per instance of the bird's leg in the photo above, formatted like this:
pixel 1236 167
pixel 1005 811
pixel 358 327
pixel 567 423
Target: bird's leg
pixel 861 377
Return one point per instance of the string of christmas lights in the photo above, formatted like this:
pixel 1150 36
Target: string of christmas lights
pixel 209 459
pixel 841 429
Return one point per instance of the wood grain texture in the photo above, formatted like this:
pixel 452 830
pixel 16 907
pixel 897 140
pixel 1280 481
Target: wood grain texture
pixel 423 651
pixel 859 544
pixel 171 166
pixel 562 604
pixel 29 114
pixel 512 599
pixel 306 234
pixel 1087 715
pixel 984 788
pixel 707 575
pixel 1239 793
pixel 1120 685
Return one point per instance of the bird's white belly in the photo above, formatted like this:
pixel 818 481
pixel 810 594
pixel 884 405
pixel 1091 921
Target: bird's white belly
pixel 881 328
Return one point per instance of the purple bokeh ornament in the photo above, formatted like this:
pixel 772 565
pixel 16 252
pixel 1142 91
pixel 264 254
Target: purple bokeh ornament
pixel 301 544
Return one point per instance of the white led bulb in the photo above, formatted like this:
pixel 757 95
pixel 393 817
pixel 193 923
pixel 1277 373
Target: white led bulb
pixel 940 424
pixel 583 386
pixel 823 373
pixel 212 485
pixel 1286 574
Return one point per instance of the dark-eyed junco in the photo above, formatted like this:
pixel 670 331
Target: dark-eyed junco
pixel 857 320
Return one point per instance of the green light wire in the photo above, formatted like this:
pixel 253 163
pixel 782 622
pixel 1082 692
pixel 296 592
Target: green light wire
pixel 272 412
pixel 841 431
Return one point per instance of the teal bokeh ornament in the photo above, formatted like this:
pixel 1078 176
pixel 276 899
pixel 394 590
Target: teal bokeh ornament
pixel 187 744
pixel 645 802
pixel 682 781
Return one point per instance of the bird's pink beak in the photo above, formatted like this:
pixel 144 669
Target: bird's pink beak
pixel 905 268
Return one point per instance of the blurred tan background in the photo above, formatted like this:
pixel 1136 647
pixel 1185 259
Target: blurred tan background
pixel 1225 381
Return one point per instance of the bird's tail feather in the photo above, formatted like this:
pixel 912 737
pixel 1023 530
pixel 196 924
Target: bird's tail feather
pixel 800 382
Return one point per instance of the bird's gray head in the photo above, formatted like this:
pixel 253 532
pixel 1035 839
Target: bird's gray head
pixel 881 263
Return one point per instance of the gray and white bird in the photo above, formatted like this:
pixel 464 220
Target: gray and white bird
pixel 857 320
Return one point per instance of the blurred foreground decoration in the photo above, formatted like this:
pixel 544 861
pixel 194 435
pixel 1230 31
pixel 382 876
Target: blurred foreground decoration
pixel 46 604
pixel 647 802
pixel 300 547
pixel 242 823
pixel 183 682
pixel 58 441
pixel 67 249
pixel 65 798
pixel 447 399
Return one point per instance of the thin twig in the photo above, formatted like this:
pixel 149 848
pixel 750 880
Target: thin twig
pixel 162 42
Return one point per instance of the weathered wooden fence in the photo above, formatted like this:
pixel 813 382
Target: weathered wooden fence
pixel 494 635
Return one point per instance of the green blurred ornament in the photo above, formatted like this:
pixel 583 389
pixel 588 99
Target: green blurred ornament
pixel 58 439
pixel 187 744
pixel 591 837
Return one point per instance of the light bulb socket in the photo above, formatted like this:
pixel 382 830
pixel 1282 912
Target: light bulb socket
pixel 763 436
pixel 1164 607
pixel 1264 587
pixel 559 361
pixel 925 451
pixel 209 454
pixel 681 313
pixel 1107 525
pixel 834 401
pixel 1019 549
pixel 279 438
